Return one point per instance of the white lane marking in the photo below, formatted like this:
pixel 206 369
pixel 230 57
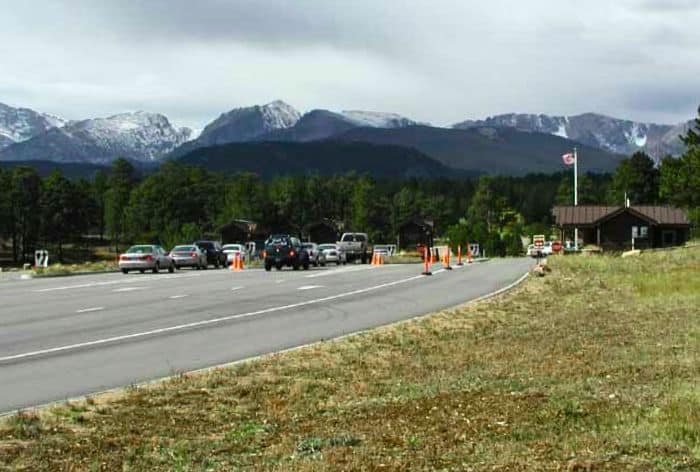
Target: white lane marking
pixel 236 288
pixel 197 324
pixel 279 281
pixel 127 289
pixel 344 270
pixel 88 310
pixel 136 279
pixel 309 287
pixel 175 297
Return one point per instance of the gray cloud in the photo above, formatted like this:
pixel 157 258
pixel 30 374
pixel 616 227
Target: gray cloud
pixel 434 60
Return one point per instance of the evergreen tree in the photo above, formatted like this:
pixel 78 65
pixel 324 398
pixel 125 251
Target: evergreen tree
pixel 121 182
pixel 638 178
pixel 680 178
pixel 25 211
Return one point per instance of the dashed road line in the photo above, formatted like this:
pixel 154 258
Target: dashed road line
pixel 309 287
pixel 89 310
pixel 175 297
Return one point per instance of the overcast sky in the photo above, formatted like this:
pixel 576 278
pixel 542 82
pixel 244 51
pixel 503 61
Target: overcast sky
pixel 435 60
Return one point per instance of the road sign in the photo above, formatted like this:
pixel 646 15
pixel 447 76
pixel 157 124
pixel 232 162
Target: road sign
pixel 41 258
pixel 538 240
pixel 474 249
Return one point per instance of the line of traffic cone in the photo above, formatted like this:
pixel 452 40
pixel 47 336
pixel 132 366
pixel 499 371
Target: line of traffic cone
pixel 237 264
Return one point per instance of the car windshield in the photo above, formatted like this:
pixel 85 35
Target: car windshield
pixel 205 244
pixel 347 238
pixel 232 247
pixel 307 246
pixel 278 240
pixel 140 250
pixel 323 247
pixel 183 248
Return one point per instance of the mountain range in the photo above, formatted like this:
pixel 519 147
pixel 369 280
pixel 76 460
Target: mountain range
pixel 505 144
pixel 604 132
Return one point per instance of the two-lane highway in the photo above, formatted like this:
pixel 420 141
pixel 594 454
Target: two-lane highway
pixel 70 336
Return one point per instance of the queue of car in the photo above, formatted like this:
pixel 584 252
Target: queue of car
pixel 280 250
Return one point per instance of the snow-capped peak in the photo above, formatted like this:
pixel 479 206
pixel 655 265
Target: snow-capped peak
pixel 375 119
pixel 21 124
pixel 279 115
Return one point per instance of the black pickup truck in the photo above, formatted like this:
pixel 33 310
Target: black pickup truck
pixel 285 250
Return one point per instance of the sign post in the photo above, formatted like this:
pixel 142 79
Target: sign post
pixel 41 258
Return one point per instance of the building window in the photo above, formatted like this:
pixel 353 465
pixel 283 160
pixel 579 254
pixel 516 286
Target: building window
pixel 640 232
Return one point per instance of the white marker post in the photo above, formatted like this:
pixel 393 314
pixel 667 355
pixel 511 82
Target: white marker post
pixel 575 196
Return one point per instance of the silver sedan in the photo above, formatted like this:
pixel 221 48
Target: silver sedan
pixel 333 253
pixel 189 255
pixel 145 257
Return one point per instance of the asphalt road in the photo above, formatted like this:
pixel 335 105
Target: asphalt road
pixel 70 336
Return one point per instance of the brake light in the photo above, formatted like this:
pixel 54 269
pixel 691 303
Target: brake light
pixel 264 253
pixel 291 253
pixel 147 258
pixel 193 254
pixel 123 257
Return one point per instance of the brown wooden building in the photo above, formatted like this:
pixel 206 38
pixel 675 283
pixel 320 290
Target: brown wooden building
pixel 614 227
pixel 416 232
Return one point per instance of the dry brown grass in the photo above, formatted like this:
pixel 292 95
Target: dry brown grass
pixel 593 367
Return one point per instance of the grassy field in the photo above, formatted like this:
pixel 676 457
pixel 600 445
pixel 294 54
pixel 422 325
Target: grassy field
pixel 593 367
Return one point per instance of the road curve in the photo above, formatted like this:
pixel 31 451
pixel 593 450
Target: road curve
pixel 71 336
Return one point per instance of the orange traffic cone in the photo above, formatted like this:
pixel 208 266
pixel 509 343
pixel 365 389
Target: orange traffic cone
pixel 427 259
pixel 446 261
pixel 237 264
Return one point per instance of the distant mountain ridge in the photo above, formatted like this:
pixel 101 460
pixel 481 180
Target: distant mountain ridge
pixel 612 134
pixel 491 150
pixel 271 159
pixel 138 136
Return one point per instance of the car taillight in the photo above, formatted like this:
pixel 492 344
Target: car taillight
pixel 264 253
pixel 193 254
pixel 291 253
pixel 147 258
pixel 123 257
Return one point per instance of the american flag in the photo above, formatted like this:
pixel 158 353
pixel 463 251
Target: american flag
pixel 568 158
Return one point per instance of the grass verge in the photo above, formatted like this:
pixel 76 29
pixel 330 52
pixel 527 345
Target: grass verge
pixel 593 367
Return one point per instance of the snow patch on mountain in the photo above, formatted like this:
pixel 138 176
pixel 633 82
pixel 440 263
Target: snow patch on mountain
pixel 561 131
pixel 375 119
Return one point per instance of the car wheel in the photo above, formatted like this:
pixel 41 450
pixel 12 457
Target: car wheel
pixel 278 266
pixel 171 269
pixel 156 268
pixel 143 271
pixel 323 264
pixel 306 266
pixel 125 271
pixel 268 267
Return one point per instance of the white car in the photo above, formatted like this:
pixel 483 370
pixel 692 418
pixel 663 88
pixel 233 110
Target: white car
pixel 232 249
pixel 547 248
pixel 333 253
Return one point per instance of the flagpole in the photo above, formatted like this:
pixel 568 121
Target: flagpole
pixel 575 195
